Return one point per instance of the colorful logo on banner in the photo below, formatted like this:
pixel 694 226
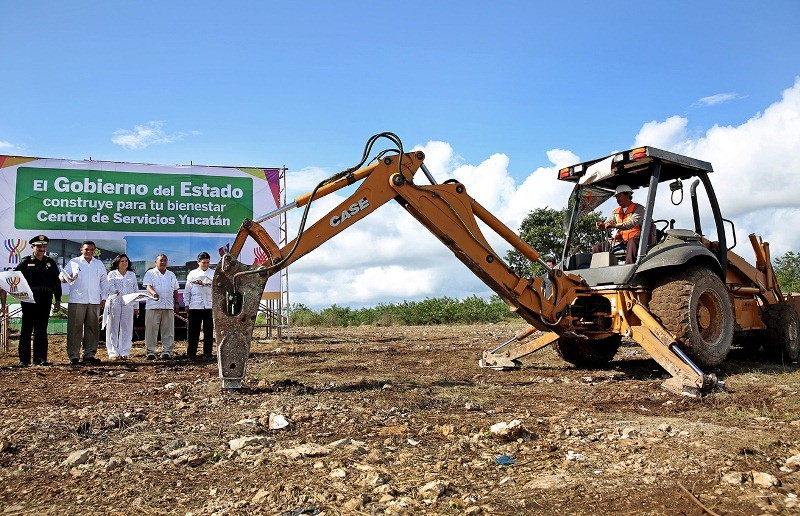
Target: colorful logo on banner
pixel 12 283
pixel 261 256
pixel 15 248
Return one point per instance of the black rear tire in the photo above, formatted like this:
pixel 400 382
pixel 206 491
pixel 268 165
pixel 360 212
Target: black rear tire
pixel 782 342
pixel 693 304
pixel 587 353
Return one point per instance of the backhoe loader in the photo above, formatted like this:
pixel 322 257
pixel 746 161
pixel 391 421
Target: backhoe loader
pixel 682 299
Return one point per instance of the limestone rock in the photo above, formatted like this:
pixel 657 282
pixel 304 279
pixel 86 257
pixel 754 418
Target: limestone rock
pixel 77 458
pixel 573 456
pixel 352 505
pixel 180 452
pixel 433 489
pixel 260 496
pixel 506 429
pixel 304 450
pixel 277 421
pixel 762 479
pixel 247 424
pixel 340 443
pixel 247 442
pixel 793 461
pixel 734 478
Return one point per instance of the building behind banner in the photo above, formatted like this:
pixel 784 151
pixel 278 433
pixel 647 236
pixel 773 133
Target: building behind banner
pixel 138 209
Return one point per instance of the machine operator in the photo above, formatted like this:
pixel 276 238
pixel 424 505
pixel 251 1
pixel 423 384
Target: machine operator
pixel 627 220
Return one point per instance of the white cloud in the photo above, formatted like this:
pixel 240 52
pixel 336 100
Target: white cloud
pixel 6 145
pixel 440 159
pixel 664 135
pixel 151 133
pixel 719 98
pixel 756 169
pixel 389 256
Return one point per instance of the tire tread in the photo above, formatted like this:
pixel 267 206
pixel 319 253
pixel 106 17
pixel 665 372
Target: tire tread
pixel 671 304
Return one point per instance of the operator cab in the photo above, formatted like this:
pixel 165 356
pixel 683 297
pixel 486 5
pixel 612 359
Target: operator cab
pixel 643 169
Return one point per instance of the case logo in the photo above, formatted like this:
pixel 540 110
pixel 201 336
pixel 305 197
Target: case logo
pixel 354 208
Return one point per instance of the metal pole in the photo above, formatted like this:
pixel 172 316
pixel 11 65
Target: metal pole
pixel 427 174
pixel 504 344
pixel 283 303
pixel 644 239
pixel 678 351
pixel 282 209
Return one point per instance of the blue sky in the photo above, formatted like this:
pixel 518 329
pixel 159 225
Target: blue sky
pixel 305 84
pixel 269 83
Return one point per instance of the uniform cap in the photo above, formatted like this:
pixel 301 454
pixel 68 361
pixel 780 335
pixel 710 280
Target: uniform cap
pixel 40 240
pixel 623 189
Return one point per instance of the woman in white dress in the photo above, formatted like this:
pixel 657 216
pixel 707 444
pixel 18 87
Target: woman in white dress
pixel 119 327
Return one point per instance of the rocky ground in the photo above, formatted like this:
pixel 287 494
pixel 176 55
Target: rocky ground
pixel 394 420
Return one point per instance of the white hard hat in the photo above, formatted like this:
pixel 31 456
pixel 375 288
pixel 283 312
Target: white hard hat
pixel 623 189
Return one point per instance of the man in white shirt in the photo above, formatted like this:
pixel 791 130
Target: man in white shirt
pixel 160 312
pixel 197 297
pixel 87 297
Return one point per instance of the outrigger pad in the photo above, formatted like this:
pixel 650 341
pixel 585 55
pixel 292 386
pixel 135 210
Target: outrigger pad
pixel 498 362
pixel 235 308
pixel 710 386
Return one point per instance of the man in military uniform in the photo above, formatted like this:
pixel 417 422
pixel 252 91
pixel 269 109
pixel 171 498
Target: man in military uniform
pixel 41 273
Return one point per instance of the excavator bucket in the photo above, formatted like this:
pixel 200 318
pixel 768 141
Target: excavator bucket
pixel 237 291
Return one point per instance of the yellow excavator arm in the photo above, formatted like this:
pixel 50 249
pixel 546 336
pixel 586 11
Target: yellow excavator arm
pixel 444 209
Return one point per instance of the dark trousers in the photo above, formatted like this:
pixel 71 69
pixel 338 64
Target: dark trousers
pixel 34 320
pixel 196 318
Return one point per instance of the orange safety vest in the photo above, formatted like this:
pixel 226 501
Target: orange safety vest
pixel 620 215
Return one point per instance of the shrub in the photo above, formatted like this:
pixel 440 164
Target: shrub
pixel 437 310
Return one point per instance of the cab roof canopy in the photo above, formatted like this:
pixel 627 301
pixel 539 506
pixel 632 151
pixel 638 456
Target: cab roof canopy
pixel 634 168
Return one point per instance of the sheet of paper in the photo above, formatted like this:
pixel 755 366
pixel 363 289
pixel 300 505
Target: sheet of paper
pixel 108 314
pixel 65 276
pixel 135 296
pixel 204 281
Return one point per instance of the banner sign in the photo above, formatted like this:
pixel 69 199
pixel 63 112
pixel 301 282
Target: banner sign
pixel 137 209
pixel 144 202
pixel 15 284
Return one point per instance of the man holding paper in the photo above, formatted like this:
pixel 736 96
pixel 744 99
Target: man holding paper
pixel 87 298
pixel 41 273
pixel 159 314
pixel 197 297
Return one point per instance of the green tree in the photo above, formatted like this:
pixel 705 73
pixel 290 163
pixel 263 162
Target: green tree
pixel 301 315
pixel 543 228
pixel 787 269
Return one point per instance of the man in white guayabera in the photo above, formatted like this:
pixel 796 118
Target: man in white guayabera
pixel 160 311
pixel 87 298
pixel 197 297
